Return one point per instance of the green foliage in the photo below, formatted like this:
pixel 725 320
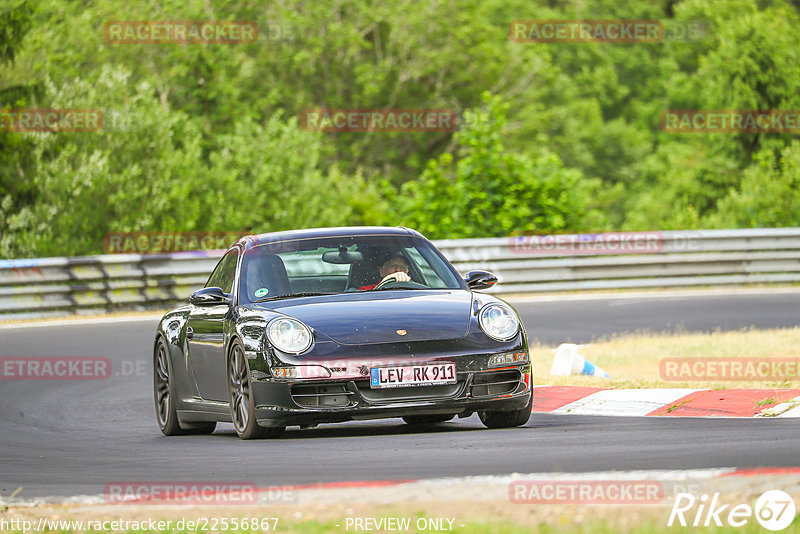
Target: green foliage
pixel 145 172
pixel 15 22
pixel 769 193
pixel 15 160
pixel 486 190
pixel 680 185
pixel 755 64
pixel 206 137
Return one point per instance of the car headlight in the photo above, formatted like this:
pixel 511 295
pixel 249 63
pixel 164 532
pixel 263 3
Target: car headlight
pixel 498 322
pixel 289 335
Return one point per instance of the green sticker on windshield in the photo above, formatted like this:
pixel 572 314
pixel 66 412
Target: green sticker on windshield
pixel 261 292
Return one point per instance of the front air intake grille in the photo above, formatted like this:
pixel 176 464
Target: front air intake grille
pixel 406 394
pixel 495 383
pixel 321 395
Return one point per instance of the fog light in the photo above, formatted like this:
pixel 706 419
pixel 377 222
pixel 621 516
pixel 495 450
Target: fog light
pixel 509 358
pixel 301 371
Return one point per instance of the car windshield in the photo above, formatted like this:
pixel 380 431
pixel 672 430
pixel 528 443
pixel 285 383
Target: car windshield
pixel 331 265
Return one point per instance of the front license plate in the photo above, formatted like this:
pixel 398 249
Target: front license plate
pixel 413 375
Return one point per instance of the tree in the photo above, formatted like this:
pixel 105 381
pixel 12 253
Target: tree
pixel 144 171
pixel 16 165
pixel 769 193
pixel 486 190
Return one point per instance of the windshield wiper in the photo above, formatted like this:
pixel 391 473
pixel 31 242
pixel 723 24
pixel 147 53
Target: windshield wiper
pixel 396 287
pixel 293 295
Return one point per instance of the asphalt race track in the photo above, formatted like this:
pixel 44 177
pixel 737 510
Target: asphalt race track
pixel 67 438
pixel 580 320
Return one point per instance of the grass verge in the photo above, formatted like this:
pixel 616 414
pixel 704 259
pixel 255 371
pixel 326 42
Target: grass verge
pixel 633 361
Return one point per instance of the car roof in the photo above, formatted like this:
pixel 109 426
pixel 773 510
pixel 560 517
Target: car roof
pixel 249 241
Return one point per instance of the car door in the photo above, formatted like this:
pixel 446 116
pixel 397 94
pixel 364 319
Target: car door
pixel 206 334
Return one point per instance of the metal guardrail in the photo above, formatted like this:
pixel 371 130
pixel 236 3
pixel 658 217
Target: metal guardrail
pixel 97 284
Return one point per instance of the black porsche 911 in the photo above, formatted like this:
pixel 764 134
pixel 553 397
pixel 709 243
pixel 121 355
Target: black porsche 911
pixel 337 324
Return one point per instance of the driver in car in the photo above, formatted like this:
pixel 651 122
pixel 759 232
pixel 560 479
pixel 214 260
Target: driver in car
pixel 395 267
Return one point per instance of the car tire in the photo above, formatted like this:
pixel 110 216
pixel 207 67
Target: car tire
pixel 163 392
pixel 420 420
pixel 164 397
pixel 508 419
pixel 240 399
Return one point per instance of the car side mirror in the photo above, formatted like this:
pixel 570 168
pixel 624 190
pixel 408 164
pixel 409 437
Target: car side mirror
pixel 480 279
pixel 210 296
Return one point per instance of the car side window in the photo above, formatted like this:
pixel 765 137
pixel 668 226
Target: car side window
pixel 224 273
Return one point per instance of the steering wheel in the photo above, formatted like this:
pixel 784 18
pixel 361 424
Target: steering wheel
pixel 392 280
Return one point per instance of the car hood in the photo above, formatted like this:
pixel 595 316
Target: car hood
pixel 376 317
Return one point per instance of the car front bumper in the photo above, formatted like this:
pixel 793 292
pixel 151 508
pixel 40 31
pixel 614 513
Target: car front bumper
pixel 309 402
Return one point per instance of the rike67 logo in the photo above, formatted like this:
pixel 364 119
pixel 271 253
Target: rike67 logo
pixel 774 510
